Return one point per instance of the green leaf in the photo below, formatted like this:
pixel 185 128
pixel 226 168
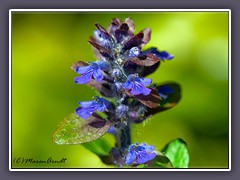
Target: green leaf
pixel 141 166
pixel 98 147
pixel 75 130
pixel 161 161
pixel 177 152
pixel 101 148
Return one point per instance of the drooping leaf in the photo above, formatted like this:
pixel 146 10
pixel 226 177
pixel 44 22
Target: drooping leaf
pixel 170 94
pixel 177 152
pixel 75 130
pixel 145 60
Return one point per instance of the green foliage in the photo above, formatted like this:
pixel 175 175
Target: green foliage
pixel 161 161
pixel 75 130
pixel 101 148
pixel 177 152
pixel 98 147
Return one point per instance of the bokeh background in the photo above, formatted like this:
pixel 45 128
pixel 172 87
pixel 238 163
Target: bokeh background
pixel 46 44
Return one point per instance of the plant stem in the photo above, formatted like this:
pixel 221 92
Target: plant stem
pixel 123 137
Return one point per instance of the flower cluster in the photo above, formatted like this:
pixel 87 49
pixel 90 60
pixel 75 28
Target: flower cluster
pixel 140 153
pixel 119 73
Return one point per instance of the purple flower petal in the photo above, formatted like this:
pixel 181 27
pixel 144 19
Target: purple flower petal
pixel 137 85
pixel 87 108
pixel 95 70
pixel 136 89
pixel 165 55
pixel 140 148
pixel 146 91
pixel 101 107
pixel 140 153
pixel 127 85
pixel 131 77
pixel 84 79
pixel 103 101
pixel 98 75
pixel 148 148
pixel 87 103
pixel 151 156
pixel 131 157
pixel 84 112
pixel 82 69
pixel 142 158
pixel 145 81
pixel 111 130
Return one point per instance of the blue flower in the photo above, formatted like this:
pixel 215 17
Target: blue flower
pixel 133 52
pixel 87 108
pixel 165 90
pixel 163 55
pixel 137 85
pixel 95 69
pixel 140 153
pixel 102 39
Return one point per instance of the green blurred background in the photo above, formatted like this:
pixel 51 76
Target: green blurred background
pixel 46 44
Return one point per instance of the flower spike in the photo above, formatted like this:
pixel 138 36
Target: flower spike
pixel 119 74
